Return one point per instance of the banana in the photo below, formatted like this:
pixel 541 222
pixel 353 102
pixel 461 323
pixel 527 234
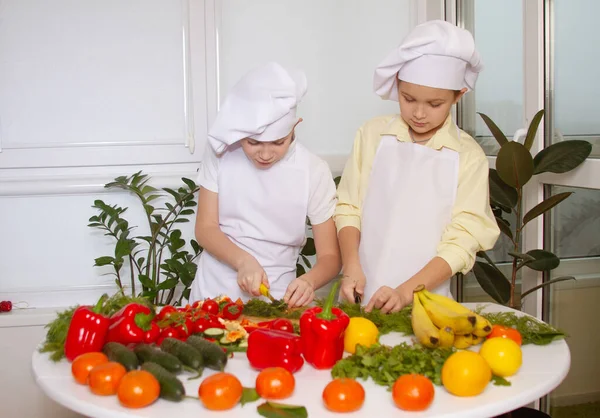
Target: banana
pixel 482 328
pixel 443 317
pixel 446 337
pixel 463 341
pixel 427 334
pixel 476 339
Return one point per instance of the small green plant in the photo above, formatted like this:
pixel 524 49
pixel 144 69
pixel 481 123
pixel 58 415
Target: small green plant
pixel 159 261
pixel 515 166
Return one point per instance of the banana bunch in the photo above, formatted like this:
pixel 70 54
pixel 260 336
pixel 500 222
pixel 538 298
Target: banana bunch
pixel 439 321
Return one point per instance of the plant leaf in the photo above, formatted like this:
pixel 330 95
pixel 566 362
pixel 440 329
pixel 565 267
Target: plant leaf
pixel 562 156
pixel 277 410
pixel 300 270
pixel 500 137
pixel 504 227
pixel 521 256
pixel 306 261
pixel 103 261
pixel 542 260
pixel 532 130
pixel 190 184
pixel 186 212
pixel 549 282
pixel 309 247
pixel 146 282
pixel 168 284
pixel 542 207
pixel 249 395
pixel 492 281
pixel 500 192
pixel 514 164
pixel 186 293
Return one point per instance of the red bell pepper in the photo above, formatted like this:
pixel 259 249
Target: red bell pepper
pixel 272 348
pixel 130 324
pixel 322 333
pixel 152 334
pixel 87 330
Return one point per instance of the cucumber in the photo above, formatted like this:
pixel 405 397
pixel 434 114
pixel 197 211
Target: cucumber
pixel 243 344
pixel 146 352
pixel 186 353
pixel 215 333
pixel 171 387
pixel 214 356
pixel 225 341
pixel 121 354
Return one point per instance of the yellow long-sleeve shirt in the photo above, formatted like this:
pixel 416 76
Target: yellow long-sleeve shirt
pixel 473 226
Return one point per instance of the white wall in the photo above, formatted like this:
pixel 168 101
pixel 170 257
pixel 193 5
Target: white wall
pixel 338 43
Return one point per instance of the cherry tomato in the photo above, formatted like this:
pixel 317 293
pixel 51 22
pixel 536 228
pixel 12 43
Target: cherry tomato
pixel 167 332
pixel 413 392
pixel 184 327
pixel 283 324
pixel 275 383
pixel 506 332
pixel 210 306
pixel 166 312
pixel 343 395
pixel 200 325
pixel 138 388
pixel 197 304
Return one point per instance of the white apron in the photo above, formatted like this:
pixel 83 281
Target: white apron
pixel 408 205
pixel 264 213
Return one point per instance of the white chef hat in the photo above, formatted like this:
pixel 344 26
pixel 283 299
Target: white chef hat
pixel 261 106
pixel 435 54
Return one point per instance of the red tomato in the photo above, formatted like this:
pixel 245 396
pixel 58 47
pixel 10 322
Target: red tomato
pixel 413 392
pixel 200 325
pixel 210 306
pixel 166 312
pixel 506 332
pixel 282 324
pixel 231 311
pixel 184 327
pixel 168 332
pixel 197 304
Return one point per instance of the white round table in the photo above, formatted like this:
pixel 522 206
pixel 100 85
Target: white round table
pixel 543 369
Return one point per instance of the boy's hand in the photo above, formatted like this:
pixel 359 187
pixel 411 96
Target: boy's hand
pixel 386 299
pixel 353 280
pixel 299 293
pixel 251 275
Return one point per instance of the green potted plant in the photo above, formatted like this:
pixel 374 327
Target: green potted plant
pixel 515 166
pixel 158 261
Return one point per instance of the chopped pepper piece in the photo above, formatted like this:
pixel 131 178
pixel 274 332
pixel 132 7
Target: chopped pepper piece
pixel 273 348
pixel 322 332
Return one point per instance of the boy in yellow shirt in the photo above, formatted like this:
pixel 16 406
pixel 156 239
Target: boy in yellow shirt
pixel 413 202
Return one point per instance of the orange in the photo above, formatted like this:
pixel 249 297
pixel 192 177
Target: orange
pixel 104 379
pixel 503 355
pixel 137 389
pixel 413 392
pixel 220 392
pixel 465 373
pixel 275 383
pixel 82 364
pixel 343 395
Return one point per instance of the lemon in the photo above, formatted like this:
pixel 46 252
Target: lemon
pixel 360 331
pixel 465 373
pixel 503 355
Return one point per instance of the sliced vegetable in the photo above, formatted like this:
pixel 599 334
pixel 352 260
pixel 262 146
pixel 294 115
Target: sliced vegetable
pixel 214 333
